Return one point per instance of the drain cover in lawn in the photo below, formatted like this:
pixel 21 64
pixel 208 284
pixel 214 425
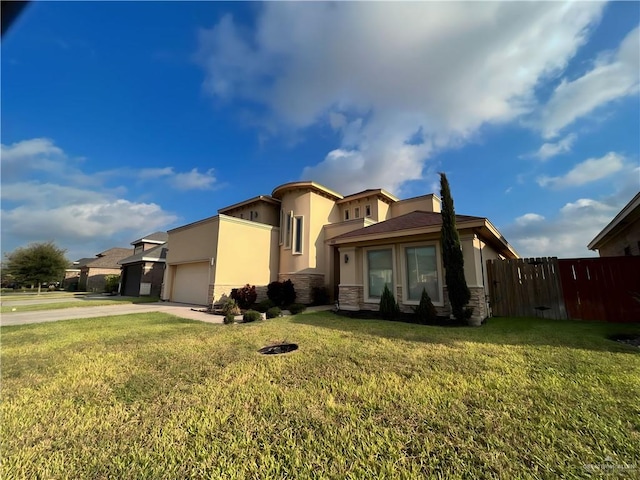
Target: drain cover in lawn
pixel 280 348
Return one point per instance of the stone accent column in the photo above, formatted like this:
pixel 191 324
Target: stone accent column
pixel 479 304
pixel 350 297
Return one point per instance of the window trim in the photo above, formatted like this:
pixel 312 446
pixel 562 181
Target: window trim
pixel 367 211
pixel 346 214
pixel 365 271
pixel 294 250
pixel 405 281
pixel 356 212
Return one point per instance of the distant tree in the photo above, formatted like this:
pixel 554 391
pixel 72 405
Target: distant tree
pixel 37 263
pixel 459 294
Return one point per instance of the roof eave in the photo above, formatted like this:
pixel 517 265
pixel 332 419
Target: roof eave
pixel 600 239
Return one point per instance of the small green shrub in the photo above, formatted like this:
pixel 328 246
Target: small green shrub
pixel 296 308
pixel 281 293
pixel 274 312
pixel 229 318
pixel 320 296
pixel 251 316
pixel 230 307
pixel 425 312
pixel 245 296
pixel 389 309
pixel 111 283
pixel 264 305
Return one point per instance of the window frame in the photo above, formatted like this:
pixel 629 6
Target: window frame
pixel 367 211
pixel 439 273
pixel 346 214
pixel 365 273
pixel 356 212
pixel 295 230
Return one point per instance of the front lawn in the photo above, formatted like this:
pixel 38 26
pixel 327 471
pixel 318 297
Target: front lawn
pixel 153 396
pixel 86 301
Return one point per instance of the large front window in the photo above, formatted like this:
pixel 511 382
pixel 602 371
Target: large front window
pixel 422 273
pixel 379 271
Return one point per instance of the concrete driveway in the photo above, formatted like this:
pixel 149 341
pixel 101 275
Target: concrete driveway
pixel 178 309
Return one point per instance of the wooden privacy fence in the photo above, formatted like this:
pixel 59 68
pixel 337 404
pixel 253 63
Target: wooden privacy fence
pixel 585 288
pixel 525 287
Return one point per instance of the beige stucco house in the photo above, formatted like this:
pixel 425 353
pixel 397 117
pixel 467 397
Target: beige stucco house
pixel 621 237
pixel 353 245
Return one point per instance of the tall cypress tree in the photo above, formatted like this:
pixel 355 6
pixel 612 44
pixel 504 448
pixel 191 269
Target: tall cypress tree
pixel 459 294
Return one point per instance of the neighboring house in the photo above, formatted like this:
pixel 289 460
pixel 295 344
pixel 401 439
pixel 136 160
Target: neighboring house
pixel 622 235
pixel 352 245
pixel 142 272
pixel 92 273
pixel 72 274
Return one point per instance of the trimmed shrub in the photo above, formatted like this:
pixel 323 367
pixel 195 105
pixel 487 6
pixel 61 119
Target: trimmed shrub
pixel 274 312
pixel 251 316
pixel 320 296
pixel 229 318
pixel 425 312
pixel 281 293
pixel 296 308
pixel 111 283
pixel 245 296
pixel 230 307
pixel 389 309
pixel 264 305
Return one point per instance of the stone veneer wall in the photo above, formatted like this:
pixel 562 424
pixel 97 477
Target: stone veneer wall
pixel 217 291
pixel 350 297
pixel 303 283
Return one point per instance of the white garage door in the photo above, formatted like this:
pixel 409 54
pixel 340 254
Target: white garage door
pixel 191 283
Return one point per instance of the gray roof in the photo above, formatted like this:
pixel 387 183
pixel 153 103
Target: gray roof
pixel 155 254
pixel 157 237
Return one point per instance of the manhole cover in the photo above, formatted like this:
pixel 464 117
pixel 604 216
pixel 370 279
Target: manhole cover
pixel 280 348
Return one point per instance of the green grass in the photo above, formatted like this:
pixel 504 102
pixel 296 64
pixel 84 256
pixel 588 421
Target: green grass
pixel 12 297
pixel 86 302
pixel 152 396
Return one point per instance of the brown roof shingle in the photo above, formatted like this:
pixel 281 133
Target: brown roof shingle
pixel 409 221
pixel 109 258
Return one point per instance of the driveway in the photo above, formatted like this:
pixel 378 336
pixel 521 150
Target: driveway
pixel 178 309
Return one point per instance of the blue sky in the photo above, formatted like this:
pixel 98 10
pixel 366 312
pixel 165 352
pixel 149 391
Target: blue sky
pixel 123 118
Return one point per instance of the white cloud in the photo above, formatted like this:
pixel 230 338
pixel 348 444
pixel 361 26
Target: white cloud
pixel 613 76
pixel 549 150
pixel 567 234
pixel 61 203
pixel 378 72
pixel 588 171
pixel 194 180
pixel 34 154
pixel 29 150
pixel 529 218
pixel 151 173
